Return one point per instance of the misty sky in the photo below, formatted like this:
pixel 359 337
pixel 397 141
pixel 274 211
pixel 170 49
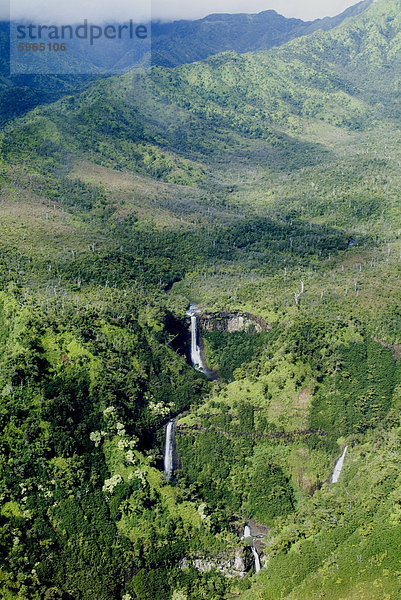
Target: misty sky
pixel 74 11
pixel 303 9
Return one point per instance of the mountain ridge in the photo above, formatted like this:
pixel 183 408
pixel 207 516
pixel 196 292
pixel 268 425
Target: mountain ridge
pixel 172 44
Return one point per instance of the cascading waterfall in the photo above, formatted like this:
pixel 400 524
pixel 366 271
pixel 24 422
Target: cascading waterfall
pixel 169 449
pixel 338 467
pixel 196 357
pixel 197 362
pixel 256 559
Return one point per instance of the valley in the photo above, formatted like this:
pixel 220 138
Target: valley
pixel 200 328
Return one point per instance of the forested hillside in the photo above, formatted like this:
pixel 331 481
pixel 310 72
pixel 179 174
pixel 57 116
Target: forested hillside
pixel 181 42
pixel 173 44
pixel 260 186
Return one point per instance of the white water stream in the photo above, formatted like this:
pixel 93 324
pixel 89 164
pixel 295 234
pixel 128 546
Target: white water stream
pixel 196 357
pixel 338 467
pixel 198 364
pixel 256 559
pixel 169 449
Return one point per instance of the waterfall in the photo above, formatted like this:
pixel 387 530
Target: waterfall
pixel 338 467
pixel 196 357
pixel 169 449
pixel 256 559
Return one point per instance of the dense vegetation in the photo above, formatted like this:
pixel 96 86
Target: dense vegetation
pixel 182 42
pixel 173 44
pixel 265 183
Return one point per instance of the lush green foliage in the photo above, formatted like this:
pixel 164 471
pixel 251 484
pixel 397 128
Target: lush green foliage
pixel 266 183
pixel 228 351
pixel 173 44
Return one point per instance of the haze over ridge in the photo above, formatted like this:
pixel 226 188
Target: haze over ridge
pixel 121 10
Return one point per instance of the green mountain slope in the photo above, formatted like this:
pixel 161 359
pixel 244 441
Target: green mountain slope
pixel 344 544
pixel 259 96
pixel 172 44
pixel 182 42
pixel 263 184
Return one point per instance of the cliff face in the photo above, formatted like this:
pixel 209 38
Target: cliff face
pixel 235 563
pixel 225 321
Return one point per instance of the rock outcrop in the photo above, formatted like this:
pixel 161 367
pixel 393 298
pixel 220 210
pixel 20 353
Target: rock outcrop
pixel 231 564
pixel 226 321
